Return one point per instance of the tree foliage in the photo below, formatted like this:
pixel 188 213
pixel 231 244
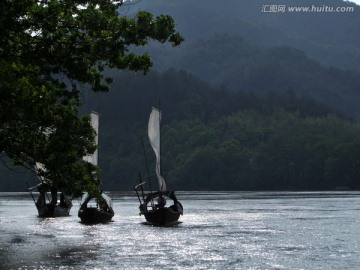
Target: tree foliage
pixel 47 49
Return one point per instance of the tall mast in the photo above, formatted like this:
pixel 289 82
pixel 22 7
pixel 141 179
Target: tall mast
pixel 160 138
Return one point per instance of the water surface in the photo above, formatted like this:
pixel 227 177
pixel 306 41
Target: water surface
pixel 219 230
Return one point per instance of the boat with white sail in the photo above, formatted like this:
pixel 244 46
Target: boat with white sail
pixel 46 206
pixel 95 210
pixel 154 204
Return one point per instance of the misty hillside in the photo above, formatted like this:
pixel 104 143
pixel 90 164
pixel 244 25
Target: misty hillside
pixel 236 45
pixel 230 61
pixel 331 38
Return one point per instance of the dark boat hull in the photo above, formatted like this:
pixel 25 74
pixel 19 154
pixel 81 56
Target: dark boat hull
pixel 53 211
pixel 164 216
pixel 158 214
pixel 92 215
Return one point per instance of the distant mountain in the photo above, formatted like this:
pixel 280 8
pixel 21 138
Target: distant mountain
pixel 332 38
pixel 235 44
pixel 229 61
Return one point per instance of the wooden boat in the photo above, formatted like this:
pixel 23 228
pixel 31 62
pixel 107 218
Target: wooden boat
pixel 158 213
pixel 53 207
pixel 95 210
pixel 49 207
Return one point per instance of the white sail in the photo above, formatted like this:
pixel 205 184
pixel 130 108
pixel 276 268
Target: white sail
pixel 154 137
pixel 95 124
pixel 39 167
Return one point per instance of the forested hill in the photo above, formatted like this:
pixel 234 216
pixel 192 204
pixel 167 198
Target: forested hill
pixel 213 139
pixel 218 140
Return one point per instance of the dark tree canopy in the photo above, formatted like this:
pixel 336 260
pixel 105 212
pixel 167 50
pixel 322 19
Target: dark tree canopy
pixel 47 49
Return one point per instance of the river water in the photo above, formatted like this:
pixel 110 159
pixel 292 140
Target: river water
pixel 219 230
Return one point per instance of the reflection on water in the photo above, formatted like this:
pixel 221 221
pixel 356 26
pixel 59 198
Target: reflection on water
pixel 222 230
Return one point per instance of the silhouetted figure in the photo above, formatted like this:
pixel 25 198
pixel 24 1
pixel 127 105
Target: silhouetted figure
pixel 161 201
pixel 62 200
pixel 53 196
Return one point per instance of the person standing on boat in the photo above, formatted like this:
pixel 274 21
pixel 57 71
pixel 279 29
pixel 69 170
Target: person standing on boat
pixel 63 201
pixel 53 196
pixel 161 201
pixel 41 201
